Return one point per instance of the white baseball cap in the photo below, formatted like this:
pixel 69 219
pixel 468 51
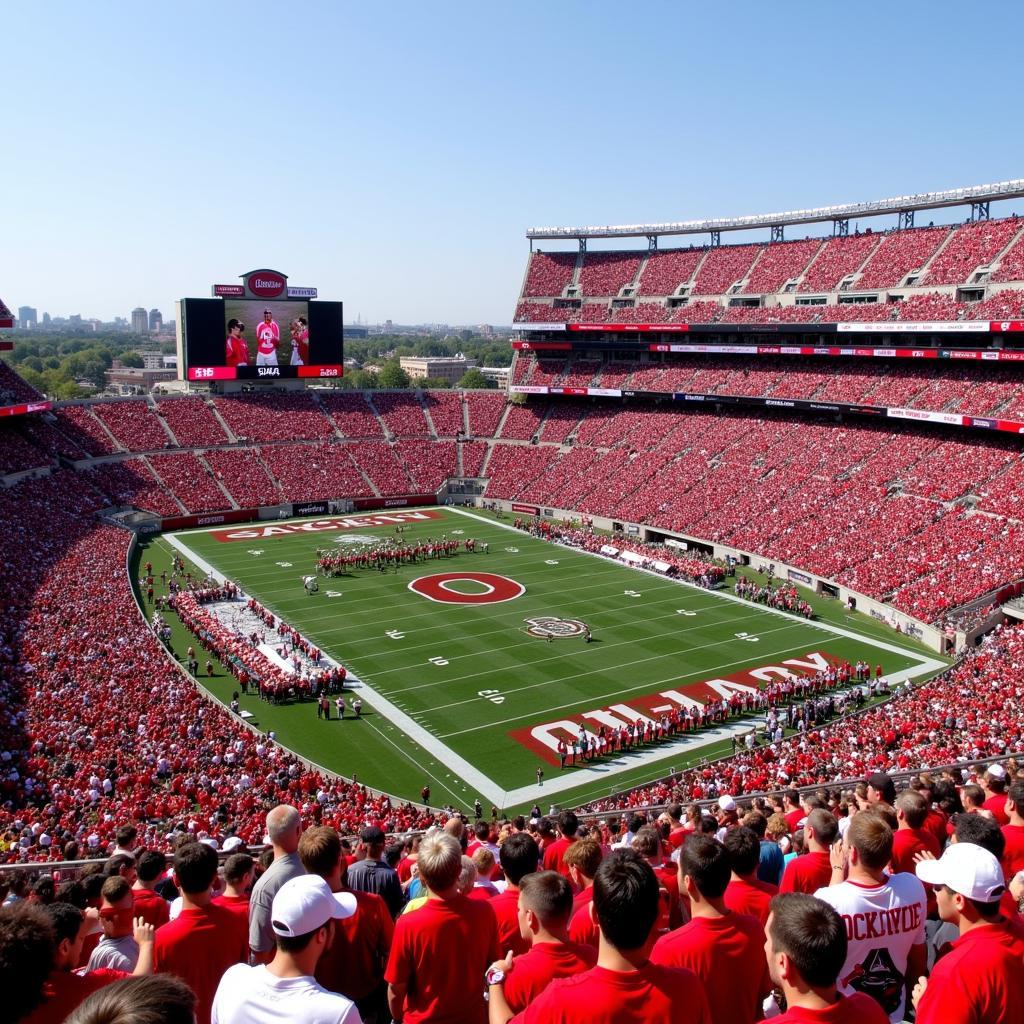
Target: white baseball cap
pixel 997 771
pixel 231 843
pixel 968 869
pixel 726 803
pixel 306 903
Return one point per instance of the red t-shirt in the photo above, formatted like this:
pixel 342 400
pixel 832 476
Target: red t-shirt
pixel 582 899
pixel 583 928
pixel 236 352
pixel 678 835
pixel 1013 855
pixel 727 955
pixel 807 873
pixel 506 911
pixel 997 805
pixel 354 965
pixel 63 991
pixel 534 971
pixel 664 994
pixel 554 856
pixel 441 953
pixel 236 904
pixel 906 842
pixel 979 981
pixel 936 823
pixel 151 907
pixel 855 1009
pixel 793 818
pixel 199 945
pixel 753 898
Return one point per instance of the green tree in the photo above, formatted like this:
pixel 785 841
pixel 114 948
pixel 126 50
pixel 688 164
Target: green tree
pixel 473 378
pixel 131 358
pixel 392 375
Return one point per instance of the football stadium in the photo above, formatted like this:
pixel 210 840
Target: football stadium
pixel 696 642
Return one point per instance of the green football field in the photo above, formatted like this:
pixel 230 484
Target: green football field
pixel 464 698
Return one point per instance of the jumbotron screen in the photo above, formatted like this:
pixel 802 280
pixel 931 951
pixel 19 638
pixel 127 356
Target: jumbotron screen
pixel 258 339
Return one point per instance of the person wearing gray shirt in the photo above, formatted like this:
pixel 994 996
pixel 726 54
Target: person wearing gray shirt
pixel 371 874
pixel 284 827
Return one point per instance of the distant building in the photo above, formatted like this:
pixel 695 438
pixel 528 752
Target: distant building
pixel 156 321
pixel 46 318
pixel 356 331
pixel 449 368
pixel 137 379
pixel 499 374
pixel 140 321
pixel 152 360
pixel 28 318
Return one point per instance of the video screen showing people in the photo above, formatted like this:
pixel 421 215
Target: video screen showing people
pixel 266 333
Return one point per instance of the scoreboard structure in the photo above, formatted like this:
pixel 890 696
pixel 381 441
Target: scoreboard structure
pixel 261 329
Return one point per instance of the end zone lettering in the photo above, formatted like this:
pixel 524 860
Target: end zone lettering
pixel 323 525
pixel 543 739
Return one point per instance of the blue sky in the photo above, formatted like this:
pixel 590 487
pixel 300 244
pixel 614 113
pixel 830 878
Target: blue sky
pixel 394 154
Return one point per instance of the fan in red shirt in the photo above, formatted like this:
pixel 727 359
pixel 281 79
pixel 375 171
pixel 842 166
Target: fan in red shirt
pixel 792 811
pixel 63 989
pixel 994 784
pixel 440 951
pixel 205 939
pixel 519 857
pixel 746 893
pixel 583 859
pixel 911 838
pixel 811 871
pixel 806 950
pixel 718 945
pixel 545 905
pixel 648 843
pixel 554 855
pixel 353 964
pixel 624 987
pixel 239 872
pixel 149 904
pixel 1013 855
pixel 981 979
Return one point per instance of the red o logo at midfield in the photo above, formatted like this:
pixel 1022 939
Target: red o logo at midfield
pixel 439 588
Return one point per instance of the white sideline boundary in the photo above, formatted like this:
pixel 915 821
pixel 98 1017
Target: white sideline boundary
pixel 608 769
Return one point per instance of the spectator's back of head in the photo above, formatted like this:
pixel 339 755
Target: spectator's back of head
pixel 983 832
pixel 647 842
pixel 869 834
pixel 150 866
pixel 756 822
pixel 825 826
pixel 519 855
pixel 195 867
pixel 151 999
pixel 626 901
pixel 549 895
pixel 568 824
pixel 585 856
pixel 809 936
pixel 284 826
pixel 913 806
pixel 320 850
pixel 706 863
pixel 27 945
pixel 439 861
pixel 237 866
pixel 743 850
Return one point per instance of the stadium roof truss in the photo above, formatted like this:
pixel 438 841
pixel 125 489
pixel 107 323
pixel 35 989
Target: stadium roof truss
pixel 978 197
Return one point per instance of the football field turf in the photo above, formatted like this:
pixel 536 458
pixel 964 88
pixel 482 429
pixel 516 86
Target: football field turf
pixel 459 695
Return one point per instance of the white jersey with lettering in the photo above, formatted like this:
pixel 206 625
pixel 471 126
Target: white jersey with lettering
pixel 882 923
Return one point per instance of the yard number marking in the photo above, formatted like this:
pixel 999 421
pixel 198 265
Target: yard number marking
pixel 438 661
pixel 494 696
pixel 749 637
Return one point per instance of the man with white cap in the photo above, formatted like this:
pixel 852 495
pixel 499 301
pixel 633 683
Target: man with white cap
pixel 302 917
pixel 993 782
pixel 981 979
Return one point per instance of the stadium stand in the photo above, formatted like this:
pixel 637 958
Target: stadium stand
pixel 244 475
pixel 971 246
pixel 353 416
pixel 723 267
pixel 382 468
pixel 191 422
pixel 134 425
pixel 190 480
pixel 838 258
pixel 314 472
pixel 13 389
pixel 780 263
pixel 274 417
pixel 402 413
pixel 550 273
pixel 80 425
pixel 484 409
pixel 667 269
pixel 606 273
pixel 445 409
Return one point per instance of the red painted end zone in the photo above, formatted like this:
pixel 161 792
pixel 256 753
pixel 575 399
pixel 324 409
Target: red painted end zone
pixel 542 740
pixel 438 588
pixel 260 532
